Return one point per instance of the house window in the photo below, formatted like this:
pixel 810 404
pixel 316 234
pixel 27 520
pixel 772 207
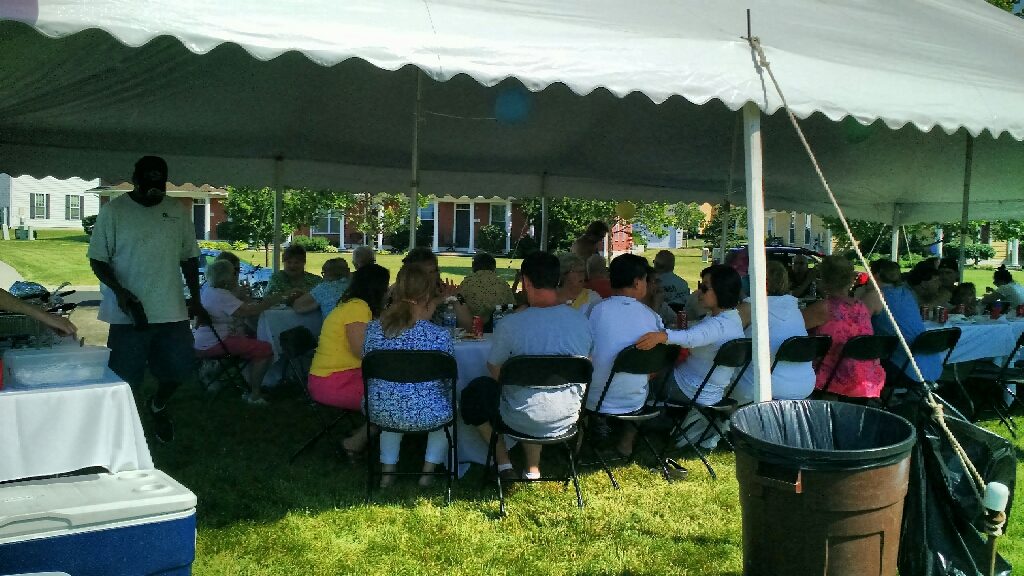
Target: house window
pixel 770 227
pixel 329 223
pixel 72 207
pixel 807 229
pixel 426 214
pixel 39 206
pixel 792 228
pixel 498 215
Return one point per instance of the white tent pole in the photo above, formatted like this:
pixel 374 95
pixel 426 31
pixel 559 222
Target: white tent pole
pixel 278 208
pixel 726 206
pixel 414 186
pixel 761 363
pixel 725 230
pixel 968 163
pixel 543 213
pixel 894 250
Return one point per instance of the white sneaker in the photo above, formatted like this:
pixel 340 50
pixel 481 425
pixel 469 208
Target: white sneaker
pixel 260 401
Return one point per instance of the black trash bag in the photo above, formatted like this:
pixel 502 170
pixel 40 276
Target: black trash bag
pixel 942 516
pixel 820 435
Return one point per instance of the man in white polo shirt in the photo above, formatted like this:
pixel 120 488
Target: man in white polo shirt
pixel 616 323
pixel 141 245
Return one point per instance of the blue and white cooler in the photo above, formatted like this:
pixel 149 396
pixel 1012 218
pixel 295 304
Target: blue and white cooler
pixel 132 523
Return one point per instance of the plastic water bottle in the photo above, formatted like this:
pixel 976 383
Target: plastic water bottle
pixel 499 313
pixel 449 320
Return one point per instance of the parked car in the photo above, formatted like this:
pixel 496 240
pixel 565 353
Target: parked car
pixel 785 254
pixel 256 276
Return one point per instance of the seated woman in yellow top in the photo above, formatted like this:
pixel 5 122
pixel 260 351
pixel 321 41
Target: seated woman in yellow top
pixel 335 378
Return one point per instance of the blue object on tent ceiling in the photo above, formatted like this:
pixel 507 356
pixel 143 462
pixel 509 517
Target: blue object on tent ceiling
pixel 512 105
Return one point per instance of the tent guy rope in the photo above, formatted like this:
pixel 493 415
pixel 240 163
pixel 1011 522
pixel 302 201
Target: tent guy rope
pixel 936 407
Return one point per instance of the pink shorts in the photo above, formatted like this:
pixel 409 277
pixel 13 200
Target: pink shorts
pixel 341 389
pixel 241 346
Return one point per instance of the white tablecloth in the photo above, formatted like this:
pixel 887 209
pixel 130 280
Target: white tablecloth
pixel 276 320
pixel 57 430
pixel 471 356
pixel 983 339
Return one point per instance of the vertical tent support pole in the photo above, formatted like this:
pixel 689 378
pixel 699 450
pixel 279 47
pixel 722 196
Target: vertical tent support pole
pixel 761 363
pixel 543 213
pixel 436 246
pixel 968 163
pixel 508 225
pixel 894 250
pixel 278 208
pixel 726 205
pixel 414 185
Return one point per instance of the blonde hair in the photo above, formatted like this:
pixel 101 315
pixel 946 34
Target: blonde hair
pixel 778 278
pixel 412 286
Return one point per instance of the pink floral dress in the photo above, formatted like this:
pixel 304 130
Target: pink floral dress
pixel 854 378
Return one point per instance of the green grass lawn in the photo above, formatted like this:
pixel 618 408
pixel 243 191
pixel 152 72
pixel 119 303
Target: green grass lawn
pixel 258 515
pixel 59 255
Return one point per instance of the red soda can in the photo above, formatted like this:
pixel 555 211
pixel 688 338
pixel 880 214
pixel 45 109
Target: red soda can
pixel 943 315
pixel 925 313
pixel 681 322
pixel 478 326
pixel 997 309
pixel 1020 310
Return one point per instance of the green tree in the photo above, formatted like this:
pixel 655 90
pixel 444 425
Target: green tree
pixel 737 232
pixel 250 213
pixel 381 213
pixel 1007 229
pixel 1007 5
pixel 305 206
pixel 568 217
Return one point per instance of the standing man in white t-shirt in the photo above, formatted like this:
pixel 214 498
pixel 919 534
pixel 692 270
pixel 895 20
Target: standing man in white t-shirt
pixel 141 245
pixel 616 323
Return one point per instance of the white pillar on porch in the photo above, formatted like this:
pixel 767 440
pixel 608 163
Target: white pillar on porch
pixel 508 225
pixel 341 232
pixel 380 233
pixel 278 209
pixel 472 227
pixel 761 360
pixel 206 218
pixel 1014 249
pixel 437 215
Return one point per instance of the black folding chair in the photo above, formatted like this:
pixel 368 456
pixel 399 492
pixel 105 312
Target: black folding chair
pixel 735 354
pixel 297 343
pixel 863 348
pixel 657 361
pixel 997 380
pixel 412 367
pixel 800 349
pixel 541 373
pixel 927 342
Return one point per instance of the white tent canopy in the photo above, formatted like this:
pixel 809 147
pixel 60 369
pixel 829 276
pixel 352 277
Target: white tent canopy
pixel 222 89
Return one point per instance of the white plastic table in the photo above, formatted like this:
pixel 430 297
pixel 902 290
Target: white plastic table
pixel 55 430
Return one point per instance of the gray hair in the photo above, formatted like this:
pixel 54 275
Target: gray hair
pixel 567 261
pixel 362 256
pixel 596 267
pixel 221 274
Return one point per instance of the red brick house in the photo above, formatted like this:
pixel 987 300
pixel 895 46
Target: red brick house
pixel 205 203
pixel 448 217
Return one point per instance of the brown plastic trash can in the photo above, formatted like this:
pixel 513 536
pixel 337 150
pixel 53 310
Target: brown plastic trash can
pixel 821 487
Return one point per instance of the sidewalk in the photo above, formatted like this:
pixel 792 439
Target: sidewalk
pixel 8 275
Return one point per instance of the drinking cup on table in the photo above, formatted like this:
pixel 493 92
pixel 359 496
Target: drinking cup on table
pixel 997 309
